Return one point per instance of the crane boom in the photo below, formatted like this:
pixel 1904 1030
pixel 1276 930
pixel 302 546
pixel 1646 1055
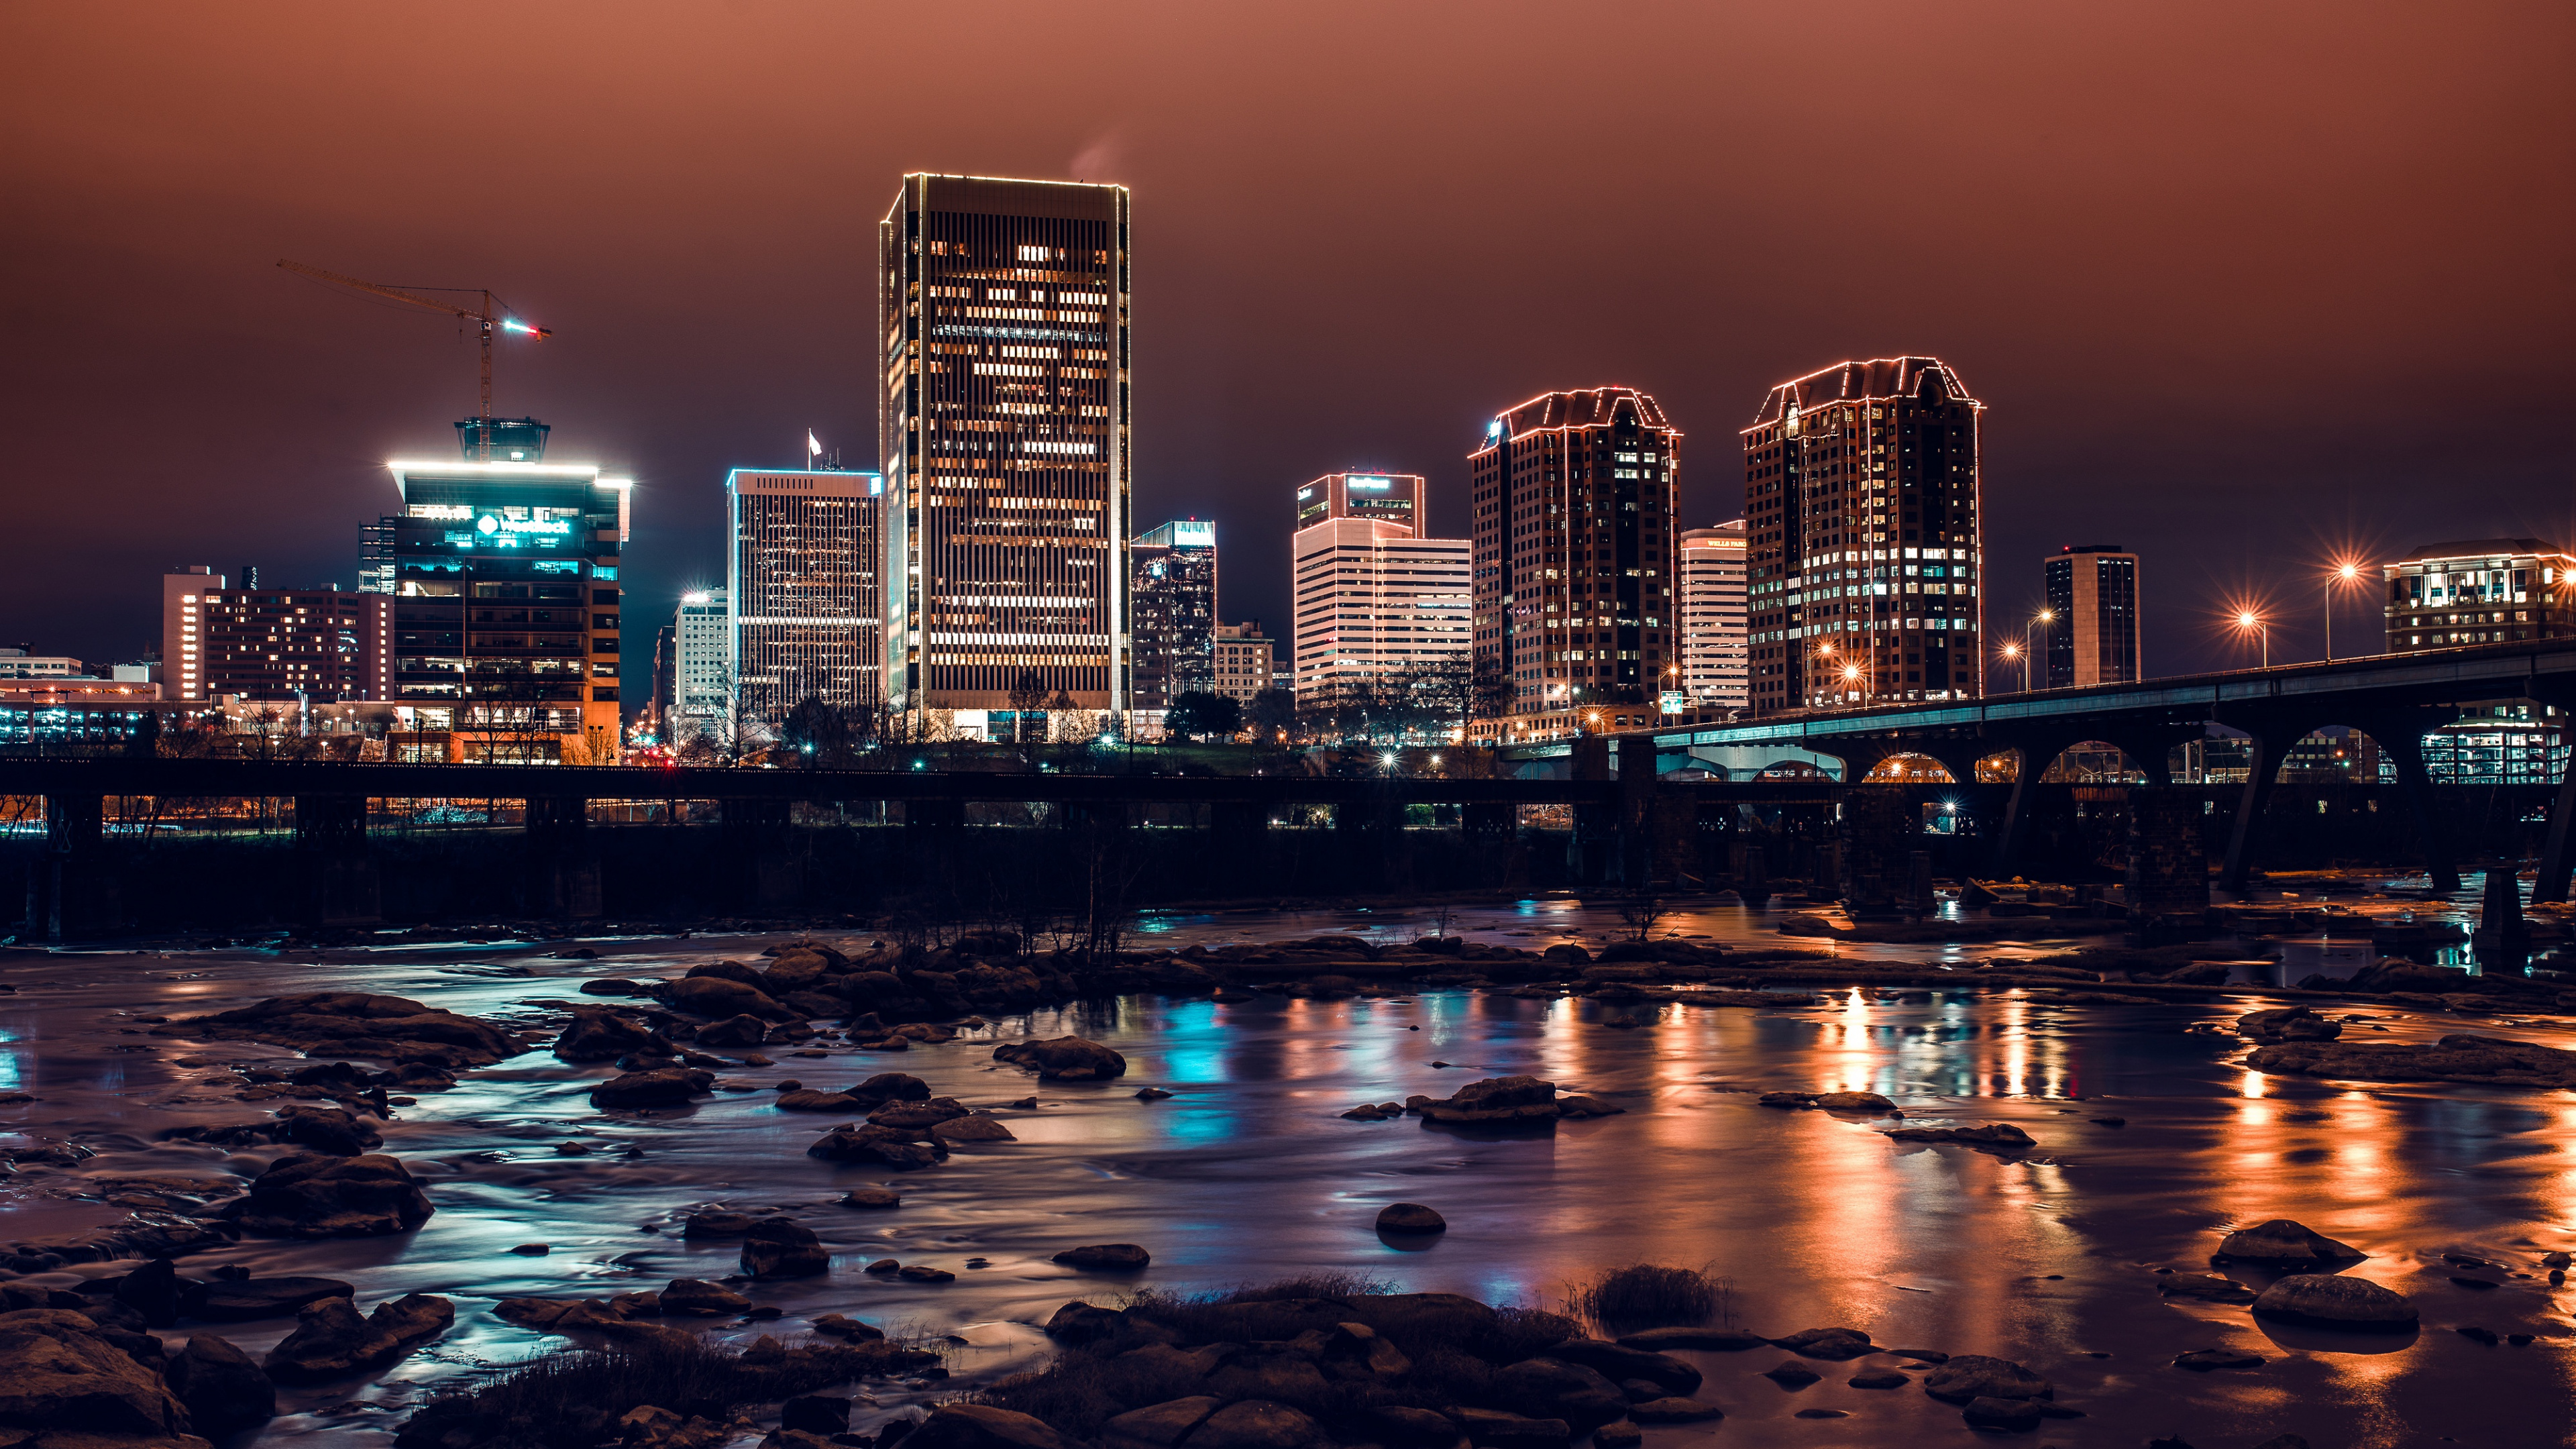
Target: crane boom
pixel 492 315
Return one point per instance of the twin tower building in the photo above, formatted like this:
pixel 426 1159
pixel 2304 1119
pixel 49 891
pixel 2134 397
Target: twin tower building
pixel 992 563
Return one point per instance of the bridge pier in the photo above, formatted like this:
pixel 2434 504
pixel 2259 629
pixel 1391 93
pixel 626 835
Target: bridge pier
pixel 71 891
pixel 1879 825
pixel 767 874
pixel 562 864
pixel 2031 755
pixel 2400 734
pixel 341 883
pixel 1593 847
pixel 2168 882
pixel 2549 883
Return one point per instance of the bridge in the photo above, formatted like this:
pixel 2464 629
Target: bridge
pixel 2396 699
pixel 1632 822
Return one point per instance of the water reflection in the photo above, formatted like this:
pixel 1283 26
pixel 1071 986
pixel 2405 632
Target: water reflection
pixel 1249 1173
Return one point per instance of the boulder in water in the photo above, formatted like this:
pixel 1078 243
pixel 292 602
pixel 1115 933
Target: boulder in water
pixel 1497 1100
pixel 981 1426
pixel 658 1087
pixel 2286 1243
pixel 1064 1059
pixel 331 1340
pixel 64 1376
pixel 1410 1217
pixel 777 1248
pixel 331 1197
pixel 222 1387
pixel 1113 1257
pixel 2327 1300
pixel 1964 1377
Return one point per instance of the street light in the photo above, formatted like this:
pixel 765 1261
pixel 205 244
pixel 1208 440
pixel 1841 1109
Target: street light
pixel 2345 573
pixel 2014 651
pixel 2249 622
pixel 2042 620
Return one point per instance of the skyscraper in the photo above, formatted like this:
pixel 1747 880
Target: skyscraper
pixel 1374 604
pixel 2093 603
pixel 506 599
pixel 1864 558
pixel 1712 613
pixel 376 555
pixel 1003 422
pixel 802 584
pixel 703 684
pixel 1574 564
pixel 1173 612
pixel 1389 497
pixel 183 630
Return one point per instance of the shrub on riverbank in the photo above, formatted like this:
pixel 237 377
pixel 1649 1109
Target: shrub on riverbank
pixel 1644 1294
pixel 570 1400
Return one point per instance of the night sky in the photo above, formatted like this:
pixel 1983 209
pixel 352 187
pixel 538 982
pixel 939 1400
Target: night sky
pixel 2240 284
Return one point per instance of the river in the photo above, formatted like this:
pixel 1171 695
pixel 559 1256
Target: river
pixel 1247 1173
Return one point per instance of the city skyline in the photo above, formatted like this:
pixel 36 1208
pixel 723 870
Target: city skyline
pixel 2176 268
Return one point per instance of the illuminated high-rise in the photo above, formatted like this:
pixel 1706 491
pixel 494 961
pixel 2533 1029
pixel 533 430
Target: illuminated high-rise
pixel 506 603
pixel 1864 559
pixel 1386 497
pixel 1574 557
pixel 802 583
pixel 703 675
pixel 2093 607
pixel 1003 425
pixel 1712 615
pixel 1173 612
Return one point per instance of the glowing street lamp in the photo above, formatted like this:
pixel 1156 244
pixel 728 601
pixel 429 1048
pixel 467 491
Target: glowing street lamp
pixel 2249 622
pixel 2040 621
pixel 2014 651
pixel 2344 574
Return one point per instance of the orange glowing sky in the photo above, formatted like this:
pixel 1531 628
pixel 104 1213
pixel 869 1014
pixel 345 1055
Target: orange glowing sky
pixel 2239 283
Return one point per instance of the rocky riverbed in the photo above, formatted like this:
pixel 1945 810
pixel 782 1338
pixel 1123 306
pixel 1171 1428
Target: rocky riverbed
pixel 885 1175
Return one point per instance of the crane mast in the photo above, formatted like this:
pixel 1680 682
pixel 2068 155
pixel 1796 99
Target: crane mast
pixel 493 314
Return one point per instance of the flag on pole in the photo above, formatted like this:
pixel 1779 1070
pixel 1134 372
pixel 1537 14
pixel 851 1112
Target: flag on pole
pixel 813 445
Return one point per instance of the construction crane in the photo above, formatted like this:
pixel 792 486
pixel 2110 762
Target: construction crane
pixel 492 314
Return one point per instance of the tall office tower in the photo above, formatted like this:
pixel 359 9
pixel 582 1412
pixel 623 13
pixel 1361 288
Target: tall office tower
pixel 2479 591
pixel 1712 613
pixel 1173 612
pixel 2093 608
pixel 183 630
pixel 1375 603
pixel 376 555
pixel 1003 422
pixel 1863 556
pixel 1243 660
pixel 1574 554
pixel 506 597
pixel 703 687
pixel 802 581
pixel 1389 497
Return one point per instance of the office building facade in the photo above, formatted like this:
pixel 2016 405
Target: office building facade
pixel 1713 674
pixel 1172 612
pixel 1375 604
pixel 183 630
pixel 1004 425
pixel 2093 615
pixel 322 644
pixel 703 688
pixel 2479 591
pixel 801 580
pixel 506 603
pixel 1386 497
pixel 1243 661
pixel 376 555
pixel 1864 553
pixel 1574 554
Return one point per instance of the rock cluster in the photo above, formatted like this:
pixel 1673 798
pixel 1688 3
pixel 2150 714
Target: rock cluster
pixel 354 1024
pixel 2294 1023
pixel 2459 1057
pixel 1834 1102
pixel 330 1339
